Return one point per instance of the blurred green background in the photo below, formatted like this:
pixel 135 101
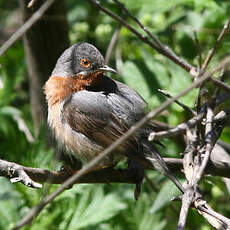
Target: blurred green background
pixel 111 207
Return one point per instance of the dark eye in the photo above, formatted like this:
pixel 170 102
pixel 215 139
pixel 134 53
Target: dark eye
pixel 85 63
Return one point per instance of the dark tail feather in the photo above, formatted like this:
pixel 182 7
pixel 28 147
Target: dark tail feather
pixel 154 158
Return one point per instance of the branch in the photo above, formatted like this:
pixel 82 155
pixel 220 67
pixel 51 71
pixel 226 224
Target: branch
pixel 32 176
pixel 198 48
pixel 37 209
pixel 31 3
pixel 181 128
pixel 16 173
pixel 195 167
pixel 185 107
pixel 220 84
pixel 212 51
pixel 158 46
pixel 112 44
pixel 36 16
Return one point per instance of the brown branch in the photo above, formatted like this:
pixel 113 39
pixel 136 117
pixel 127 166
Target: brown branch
pixel 32 176
pixel 161 49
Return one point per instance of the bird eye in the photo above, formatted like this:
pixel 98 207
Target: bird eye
pixel 85 63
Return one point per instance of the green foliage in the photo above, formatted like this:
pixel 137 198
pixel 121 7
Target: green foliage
pixel 113 207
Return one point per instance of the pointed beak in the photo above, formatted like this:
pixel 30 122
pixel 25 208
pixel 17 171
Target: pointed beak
pixel 107 69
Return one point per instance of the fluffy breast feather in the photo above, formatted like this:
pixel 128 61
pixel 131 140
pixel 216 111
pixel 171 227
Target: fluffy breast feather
pixel 75 143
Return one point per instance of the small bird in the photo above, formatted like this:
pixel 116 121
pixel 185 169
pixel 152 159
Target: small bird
pixel 88 111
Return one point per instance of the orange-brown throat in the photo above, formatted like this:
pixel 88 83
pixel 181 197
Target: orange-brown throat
pixel 58 88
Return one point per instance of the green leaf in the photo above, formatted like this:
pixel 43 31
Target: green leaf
pixel 95 207
pixel 167 192
pixel 133 77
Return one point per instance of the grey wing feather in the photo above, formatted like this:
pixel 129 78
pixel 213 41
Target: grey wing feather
pixel 91 114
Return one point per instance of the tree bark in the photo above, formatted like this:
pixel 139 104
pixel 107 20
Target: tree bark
pixel 43 44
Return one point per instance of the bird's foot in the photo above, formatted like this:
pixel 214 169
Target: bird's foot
pixel 68 170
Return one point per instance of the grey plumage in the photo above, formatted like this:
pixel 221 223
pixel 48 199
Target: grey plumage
pixel 101 112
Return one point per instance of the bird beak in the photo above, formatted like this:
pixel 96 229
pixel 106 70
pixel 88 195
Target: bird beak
pixel 107 69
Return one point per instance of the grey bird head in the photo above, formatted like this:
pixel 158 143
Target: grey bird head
pixel 80 59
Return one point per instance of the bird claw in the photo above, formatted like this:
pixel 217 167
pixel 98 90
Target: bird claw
pixel 137 191
pixel 67 169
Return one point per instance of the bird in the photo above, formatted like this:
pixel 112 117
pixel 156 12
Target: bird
pixel 88 111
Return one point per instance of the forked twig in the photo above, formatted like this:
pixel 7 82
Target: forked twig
pixel 166 51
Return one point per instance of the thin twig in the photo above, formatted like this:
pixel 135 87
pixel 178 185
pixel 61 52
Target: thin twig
pixel 198 48
pixel 37 209
pixel 185 107
pixel 212 51
pixel 217 90
pixel 26 26
pixel 154 38
pixel 31 3
pixel 112 44
pixel 179 129
pixel 209 143
pixel 187 199
pixel 24 128
pixel 189 195
pixel 166 52
pixel 220 84
pixel 214 218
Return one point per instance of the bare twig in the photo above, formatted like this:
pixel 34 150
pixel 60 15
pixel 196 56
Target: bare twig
pixel 164 48
pixel 166 52
pixel 112 44
pixel 36 16
pixel 37 209
pixel 23 127
pixel 181 128
pixel 198 48
pixel 217 90
pixel 16 173
pixel 220 84
pixel 185 107
pixel 189 195
pixel 37 175
pixel 215 219
pixel 194 170
pixel 209 143
pixel 187 199
pixel 31 3
pixel 212 51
